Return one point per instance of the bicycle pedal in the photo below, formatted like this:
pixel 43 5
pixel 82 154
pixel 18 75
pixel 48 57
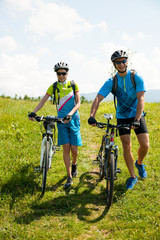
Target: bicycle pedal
pixel 95 162
pixel 118 170
pixel 37 169
pixel 57 148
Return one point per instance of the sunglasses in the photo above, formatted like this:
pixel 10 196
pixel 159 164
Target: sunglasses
pixel 119 62
pixel 61 73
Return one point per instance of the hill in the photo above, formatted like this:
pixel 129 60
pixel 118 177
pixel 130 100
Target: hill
pixel 150 96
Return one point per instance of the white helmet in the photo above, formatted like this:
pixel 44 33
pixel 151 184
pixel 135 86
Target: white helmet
pixel 61 65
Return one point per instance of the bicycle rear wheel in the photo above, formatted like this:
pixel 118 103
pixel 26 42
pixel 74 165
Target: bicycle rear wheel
pixel 45 166
pixel 110 172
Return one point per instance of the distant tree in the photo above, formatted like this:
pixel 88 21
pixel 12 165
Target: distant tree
pixel 84 100
pixel 26 97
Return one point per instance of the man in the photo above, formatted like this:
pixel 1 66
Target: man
pixel 130 105
pixel 68 132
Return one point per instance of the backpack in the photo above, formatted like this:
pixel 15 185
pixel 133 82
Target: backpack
pixel 114 88
pixel 56 88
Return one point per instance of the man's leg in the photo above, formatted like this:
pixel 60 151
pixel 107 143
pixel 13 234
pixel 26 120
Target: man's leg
pixel 126 143
pixel 143 139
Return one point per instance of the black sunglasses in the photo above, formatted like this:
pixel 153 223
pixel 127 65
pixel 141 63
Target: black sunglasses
pixel 61 73
pixel 119 62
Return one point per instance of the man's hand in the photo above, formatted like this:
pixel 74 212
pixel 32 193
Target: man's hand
pixel 135 124
pixel 92 121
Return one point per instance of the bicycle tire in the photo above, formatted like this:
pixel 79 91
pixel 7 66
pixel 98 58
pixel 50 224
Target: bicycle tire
pixel 110 171
pixel 45 166
pixel 101 159
pixel 101 164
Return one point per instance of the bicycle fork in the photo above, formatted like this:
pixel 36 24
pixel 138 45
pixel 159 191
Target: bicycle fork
pixel 111 148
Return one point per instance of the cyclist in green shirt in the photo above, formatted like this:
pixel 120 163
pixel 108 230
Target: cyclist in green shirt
pixel 68 132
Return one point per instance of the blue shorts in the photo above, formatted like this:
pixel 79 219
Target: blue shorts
pixel 70 132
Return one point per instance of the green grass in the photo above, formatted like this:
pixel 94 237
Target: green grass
pixel 80 213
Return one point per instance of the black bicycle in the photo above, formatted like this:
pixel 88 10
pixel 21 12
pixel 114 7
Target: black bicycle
pixel 108 155
pixel 48 147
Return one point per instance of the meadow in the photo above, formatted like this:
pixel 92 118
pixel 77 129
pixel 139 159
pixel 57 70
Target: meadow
pixel 78 213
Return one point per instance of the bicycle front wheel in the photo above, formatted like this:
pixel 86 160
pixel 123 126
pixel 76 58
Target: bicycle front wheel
pixel 45 166
pixel 110 172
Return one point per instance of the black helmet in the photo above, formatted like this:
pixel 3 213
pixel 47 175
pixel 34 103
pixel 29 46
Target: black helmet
pixel 118 54
pixel 61 65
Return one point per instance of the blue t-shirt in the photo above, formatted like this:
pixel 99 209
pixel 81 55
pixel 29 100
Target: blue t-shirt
pixel 126 94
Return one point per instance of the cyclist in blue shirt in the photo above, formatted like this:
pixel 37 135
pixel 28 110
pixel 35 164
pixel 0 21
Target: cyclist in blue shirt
pixel 130 105
pixel 68 132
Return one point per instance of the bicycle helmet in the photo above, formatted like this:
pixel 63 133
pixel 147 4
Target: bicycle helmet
pixel 61 65
pixel 118 54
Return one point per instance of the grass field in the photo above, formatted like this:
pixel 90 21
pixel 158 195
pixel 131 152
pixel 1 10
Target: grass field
pixel 81 212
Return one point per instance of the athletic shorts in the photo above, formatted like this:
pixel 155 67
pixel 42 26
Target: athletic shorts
pixel 141 129
pixel 70 132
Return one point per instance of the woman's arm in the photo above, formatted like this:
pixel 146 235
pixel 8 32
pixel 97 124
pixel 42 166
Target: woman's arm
pixel 78 103
pixel 40 105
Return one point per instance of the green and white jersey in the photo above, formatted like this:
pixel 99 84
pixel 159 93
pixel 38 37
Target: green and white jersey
pixel 66 102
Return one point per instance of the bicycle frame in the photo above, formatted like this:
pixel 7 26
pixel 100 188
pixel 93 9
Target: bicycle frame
pixel 108 146
pixel 108 155
pixel 48 146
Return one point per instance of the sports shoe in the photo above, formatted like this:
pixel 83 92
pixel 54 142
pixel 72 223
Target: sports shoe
pixel 68 183
pixel 74 171
pixel 131 182
pixel 141 170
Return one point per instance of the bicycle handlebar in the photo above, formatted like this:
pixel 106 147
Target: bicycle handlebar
pixel 103 125
pixel 49 118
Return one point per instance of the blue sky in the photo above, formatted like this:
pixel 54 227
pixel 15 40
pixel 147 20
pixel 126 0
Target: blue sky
pixel 36 34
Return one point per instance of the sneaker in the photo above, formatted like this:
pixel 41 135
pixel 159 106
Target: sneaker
pixel 68 183
pixel 141 170
pixel 131 182
pixel 74 171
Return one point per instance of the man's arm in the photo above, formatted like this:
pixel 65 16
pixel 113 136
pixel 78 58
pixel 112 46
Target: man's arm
pixel 140 105
pixel 95 105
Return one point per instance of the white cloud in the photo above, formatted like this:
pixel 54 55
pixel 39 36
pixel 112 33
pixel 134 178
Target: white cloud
pixel 76 57
pixel 90 74
pixel 43 52
pixel 61 20
pixel 7 44
pixel 142 36
pixel 127 38
pixel 20 5
pixel 21 75
pixel 148 67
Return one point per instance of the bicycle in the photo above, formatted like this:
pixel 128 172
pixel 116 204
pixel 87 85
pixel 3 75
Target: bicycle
pixel 108 156
pixel 48 146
